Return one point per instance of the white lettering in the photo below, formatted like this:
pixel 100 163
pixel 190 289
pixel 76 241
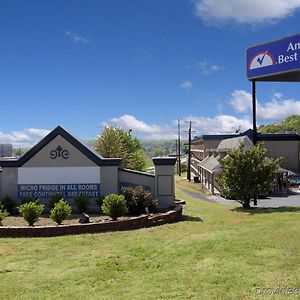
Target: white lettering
pixel 287 58
pixel 25 194
pixel 292 47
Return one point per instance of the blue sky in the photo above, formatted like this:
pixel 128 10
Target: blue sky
pixel 137 64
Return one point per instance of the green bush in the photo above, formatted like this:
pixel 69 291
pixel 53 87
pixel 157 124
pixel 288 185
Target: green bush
pixel 82 203
pixel 137 199
pixel 99 202
pixel 114 206
pixel 3 214
pixel 8 204
pixel 183 168
pixel 31 212
pixel 27 200
pixel 61 211
pixel 54 199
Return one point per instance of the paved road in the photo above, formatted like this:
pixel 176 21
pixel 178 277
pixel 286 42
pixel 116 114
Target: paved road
pixel 292 199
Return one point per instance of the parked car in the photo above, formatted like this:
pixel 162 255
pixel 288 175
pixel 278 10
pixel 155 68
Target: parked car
pixel 294 180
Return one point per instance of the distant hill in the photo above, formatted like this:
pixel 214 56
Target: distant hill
pixel 290 124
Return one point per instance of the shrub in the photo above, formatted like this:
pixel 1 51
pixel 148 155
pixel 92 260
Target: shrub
pixel 114 206
pixel 31 212
pixel 61 211
pixel 82 203
pixel 54 199
pixel 137 200
pixel 27 200
pixel 99 202
pixel 183 168
pixel 3 214
pixel 133 206
pixel 7 204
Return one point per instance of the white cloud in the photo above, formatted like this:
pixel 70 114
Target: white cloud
pixel 141 128
pixel 207 68
pixel 241 100
pixel 77 38
pixel 25 138
pixel 245 11
pixel 278 95
pixel 186 85
pixel 276 109
pixel 127 122
pixel 220 124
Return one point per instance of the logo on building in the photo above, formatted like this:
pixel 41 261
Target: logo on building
pixel 59 152
pixel 262 59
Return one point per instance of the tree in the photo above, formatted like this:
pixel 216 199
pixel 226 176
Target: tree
pixel 289 124
pixel 116 142
pixel 247 173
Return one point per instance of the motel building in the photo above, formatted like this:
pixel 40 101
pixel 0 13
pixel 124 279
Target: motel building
pixel 207 150
pixel 60 163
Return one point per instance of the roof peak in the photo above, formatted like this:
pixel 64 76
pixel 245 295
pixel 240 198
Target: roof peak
pixel 60 131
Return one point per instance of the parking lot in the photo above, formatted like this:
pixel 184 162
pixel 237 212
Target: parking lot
pixel 273 201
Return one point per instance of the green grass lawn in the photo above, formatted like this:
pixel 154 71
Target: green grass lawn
pixel 214 253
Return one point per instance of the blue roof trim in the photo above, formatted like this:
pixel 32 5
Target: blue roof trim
pixel 93 156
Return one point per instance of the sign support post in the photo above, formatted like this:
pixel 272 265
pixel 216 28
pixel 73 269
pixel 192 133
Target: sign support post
pixel 254 138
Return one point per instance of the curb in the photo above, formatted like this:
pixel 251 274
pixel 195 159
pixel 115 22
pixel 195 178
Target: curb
pixel 60 230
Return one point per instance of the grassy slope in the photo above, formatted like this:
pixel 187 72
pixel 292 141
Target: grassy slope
pixel 225 256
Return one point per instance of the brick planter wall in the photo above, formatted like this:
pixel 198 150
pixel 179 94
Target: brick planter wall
pixel 130 224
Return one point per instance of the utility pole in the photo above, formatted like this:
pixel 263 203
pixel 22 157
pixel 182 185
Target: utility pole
pixel 178 145
pixel 189 158
pixel 176 155
pixel 189 151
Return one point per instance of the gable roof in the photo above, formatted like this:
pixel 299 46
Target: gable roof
pixel 234 143
pixel 89 153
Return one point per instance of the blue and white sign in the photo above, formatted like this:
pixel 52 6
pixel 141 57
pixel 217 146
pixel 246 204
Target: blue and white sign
pixel 45 191
pixel 274 58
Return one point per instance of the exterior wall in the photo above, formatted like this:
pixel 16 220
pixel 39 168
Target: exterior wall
pixel 199 148
pixel 43 157
pixel 289 150
pixel 58 175
pixel 109 178
pixel 129 178
pixel 10 182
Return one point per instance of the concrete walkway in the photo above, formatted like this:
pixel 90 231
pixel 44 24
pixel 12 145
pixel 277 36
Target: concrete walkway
pixel 281 200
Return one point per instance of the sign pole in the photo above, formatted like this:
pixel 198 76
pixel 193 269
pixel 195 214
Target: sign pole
pixel 254 138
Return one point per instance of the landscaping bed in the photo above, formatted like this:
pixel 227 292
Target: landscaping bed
pixel 45 227
pixel 45 220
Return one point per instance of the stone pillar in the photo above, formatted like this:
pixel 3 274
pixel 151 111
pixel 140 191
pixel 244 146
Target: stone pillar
pixel 164 181
pixel 109 180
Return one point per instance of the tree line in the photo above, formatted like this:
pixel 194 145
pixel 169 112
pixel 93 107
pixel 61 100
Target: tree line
pixel 290 124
